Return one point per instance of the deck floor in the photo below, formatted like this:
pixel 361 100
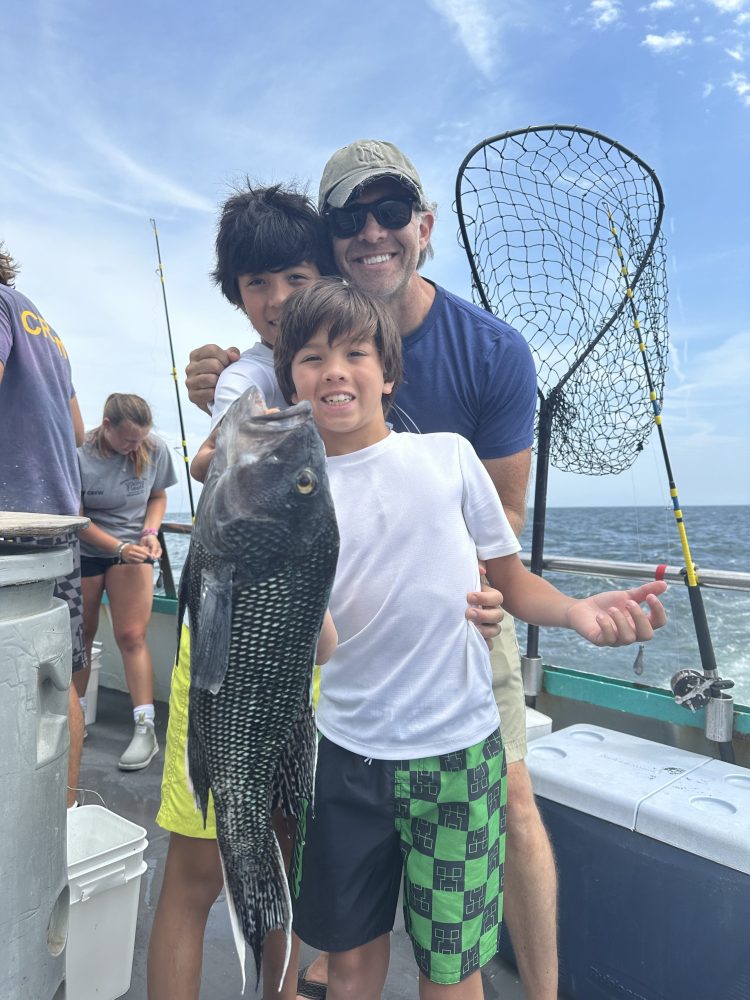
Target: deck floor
pixel 135 795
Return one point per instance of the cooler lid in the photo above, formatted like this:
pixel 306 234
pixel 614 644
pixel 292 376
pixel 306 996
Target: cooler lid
pixel 604 773
pixel 705 812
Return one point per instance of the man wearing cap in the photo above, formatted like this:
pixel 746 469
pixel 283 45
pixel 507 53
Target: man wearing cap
pixel 467 372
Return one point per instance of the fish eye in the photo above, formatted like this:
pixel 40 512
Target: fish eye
pixel 305 482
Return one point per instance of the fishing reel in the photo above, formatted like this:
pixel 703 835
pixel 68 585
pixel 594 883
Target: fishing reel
pixel 694 690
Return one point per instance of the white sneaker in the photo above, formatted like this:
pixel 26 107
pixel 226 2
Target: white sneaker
pixel 142 748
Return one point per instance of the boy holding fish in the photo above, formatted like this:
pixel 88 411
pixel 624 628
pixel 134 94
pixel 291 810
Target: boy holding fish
pixel 411 768
pixel 270 244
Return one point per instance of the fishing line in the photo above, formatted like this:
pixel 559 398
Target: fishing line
pixel 160 272
pixel 639 663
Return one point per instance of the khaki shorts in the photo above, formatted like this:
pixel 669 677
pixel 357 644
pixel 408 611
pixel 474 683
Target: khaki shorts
pixel 507 686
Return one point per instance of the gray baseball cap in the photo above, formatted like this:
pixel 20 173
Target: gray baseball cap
pixel 363 162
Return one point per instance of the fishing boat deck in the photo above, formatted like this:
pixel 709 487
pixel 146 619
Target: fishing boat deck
pixel 135 795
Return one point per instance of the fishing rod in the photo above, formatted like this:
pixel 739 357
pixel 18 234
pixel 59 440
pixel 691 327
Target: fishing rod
pixel 160 272
pixel 688 686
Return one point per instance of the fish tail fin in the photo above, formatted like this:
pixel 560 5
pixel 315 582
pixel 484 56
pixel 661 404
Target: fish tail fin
pixel 294 779
pixel 259 902
pixel 196 768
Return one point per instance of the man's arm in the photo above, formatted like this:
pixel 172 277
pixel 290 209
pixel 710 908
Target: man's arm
pixel 75 416
pixel 510 476
pixel 2 370
pixel 202 373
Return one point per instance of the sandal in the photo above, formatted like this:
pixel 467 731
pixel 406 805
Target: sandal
pixel 308 988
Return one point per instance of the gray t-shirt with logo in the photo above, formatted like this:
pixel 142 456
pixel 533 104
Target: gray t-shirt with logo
pixel 114 497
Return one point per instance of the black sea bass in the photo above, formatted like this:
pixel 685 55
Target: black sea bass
pixel 257 580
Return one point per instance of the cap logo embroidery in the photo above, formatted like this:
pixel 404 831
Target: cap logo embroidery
pixel 370 152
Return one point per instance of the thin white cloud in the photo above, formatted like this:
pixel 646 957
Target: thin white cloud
pixel 742 18
pixel 708 89
pixel 53 177
pixel 661 5
pixel 158 187
pixel 474 21
pixel 739 84
pixel 737 53
pixel 728 6
pixel 605 12
pixel 724 368
pixel 670 42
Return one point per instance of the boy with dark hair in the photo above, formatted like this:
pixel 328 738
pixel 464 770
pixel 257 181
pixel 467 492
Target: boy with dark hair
pixel 270 243
pixel 411 766
pixel 257 272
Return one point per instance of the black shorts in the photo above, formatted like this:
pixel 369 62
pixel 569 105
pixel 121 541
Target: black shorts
pixel 440 820
pixel 96 565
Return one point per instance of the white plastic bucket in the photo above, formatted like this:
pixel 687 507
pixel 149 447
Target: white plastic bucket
pixel 105 865
pixel 92 688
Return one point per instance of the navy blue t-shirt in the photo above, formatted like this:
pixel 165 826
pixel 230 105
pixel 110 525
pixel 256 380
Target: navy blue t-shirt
pixel 38 459
pixel 468 372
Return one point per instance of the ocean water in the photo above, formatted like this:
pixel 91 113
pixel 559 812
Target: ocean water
pixel 719 538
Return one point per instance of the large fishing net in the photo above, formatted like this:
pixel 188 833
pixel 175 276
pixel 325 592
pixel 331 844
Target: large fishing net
pixel 534 208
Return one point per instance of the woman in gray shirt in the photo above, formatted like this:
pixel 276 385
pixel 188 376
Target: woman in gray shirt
pixel 125 471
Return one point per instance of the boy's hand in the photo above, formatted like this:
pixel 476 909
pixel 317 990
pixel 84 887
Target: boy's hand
pixel 202 373
pixel 485 609
pixel 615 618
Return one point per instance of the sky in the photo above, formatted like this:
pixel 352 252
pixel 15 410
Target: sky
pixel 114 114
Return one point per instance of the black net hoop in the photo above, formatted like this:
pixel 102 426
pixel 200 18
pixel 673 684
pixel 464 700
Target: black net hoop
pixel 534 210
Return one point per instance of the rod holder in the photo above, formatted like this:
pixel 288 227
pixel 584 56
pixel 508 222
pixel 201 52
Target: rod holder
pixel 720 718
pixel 532 673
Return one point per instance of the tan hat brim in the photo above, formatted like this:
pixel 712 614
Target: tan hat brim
pixel 338 196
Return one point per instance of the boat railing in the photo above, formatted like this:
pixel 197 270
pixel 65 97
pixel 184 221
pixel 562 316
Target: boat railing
pixel 710 578
pixel 713 578
pixel 165 565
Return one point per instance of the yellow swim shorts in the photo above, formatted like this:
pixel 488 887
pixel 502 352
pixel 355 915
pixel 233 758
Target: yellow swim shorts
pixel 178 812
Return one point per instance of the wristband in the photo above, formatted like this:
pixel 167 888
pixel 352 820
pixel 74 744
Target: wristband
pixel 149 531
pixel 119 549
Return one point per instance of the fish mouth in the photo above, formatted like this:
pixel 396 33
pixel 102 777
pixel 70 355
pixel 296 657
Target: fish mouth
pixel 300 413
pixel 249 434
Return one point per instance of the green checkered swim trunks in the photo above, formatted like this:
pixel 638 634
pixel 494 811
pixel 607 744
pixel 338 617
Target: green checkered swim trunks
pixel 440 820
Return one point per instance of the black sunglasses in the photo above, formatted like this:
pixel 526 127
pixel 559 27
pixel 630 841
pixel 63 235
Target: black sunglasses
pixel 390 213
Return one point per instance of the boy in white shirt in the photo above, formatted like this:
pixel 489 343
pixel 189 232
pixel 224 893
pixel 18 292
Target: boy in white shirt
pixel 411 769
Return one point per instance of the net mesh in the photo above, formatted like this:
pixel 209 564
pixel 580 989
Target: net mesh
pixel 535 211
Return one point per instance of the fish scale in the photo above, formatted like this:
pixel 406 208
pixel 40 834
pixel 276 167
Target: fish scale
pixel 256 582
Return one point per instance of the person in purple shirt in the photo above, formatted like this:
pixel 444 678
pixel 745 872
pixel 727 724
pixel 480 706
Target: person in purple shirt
pixel 41 426
pixel 468 372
